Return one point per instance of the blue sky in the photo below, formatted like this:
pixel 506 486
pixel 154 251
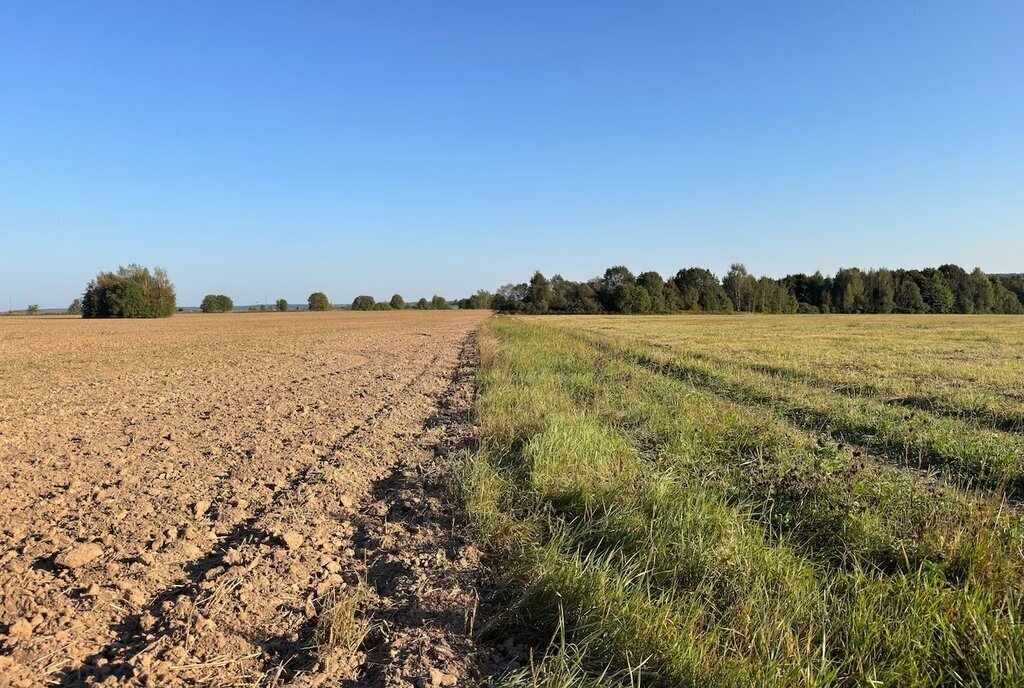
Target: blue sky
pixel 270 149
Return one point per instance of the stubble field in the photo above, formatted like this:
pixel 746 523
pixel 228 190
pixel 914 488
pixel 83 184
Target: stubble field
pixel 235 500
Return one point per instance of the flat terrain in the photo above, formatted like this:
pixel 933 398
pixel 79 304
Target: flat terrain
pixel 759 501
pixel 234 500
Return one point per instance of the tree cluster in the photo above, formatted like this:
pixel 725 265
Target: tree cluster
pixel 946 289
pixel 216 303
pixel 131 292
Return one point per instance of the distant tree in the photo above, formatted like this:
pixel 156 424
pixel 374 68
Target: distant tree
pixel 318 302
pixel 608 287
pixel 381 306
pixel 882 286
pixel 739 285
pixel 510 298
pixel 423 305
pixel 1013 283
pixel 700 290
pixel 960 284
pixel 654 285
pixel 131 292
pixel 282 305
pixel 33 309
pixel 1006 301
pixel 397 302
pixel 538 294
pixel 75 308
pixel 439 303
pixel 982 293
pixel 908 297
pixel 673 297
pixel 632 298
pixel 216 303
pixel 479 301
pixel 362 303
pixel 849 291
pixel 936 292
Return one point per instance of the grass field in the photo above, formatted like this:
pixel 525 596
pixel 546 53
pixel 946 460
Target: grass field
pixel 736 501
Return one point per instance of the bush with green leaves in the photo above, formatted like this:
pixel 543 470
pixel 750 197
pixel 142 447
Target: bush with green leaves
pixel 439 303
pixel 75 308
pixel 423 305
pixel 216 303
pixel 33 309
pixel 282 305
pixel 363 303
pixel 397 302
pixel 131 292
pixel 318 301
pixel 381 306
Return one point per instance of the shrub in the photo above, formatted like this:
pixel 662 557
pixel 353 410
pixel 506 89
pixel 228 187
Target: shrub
pixel 381 306
pixel 75 308
pixel 423 305
pixel 131 292
pixel 318 302
pixel 216 303
pixel 362 303
pixel 32 309
pixel 282 305
pixel 439 303
pixel 397 302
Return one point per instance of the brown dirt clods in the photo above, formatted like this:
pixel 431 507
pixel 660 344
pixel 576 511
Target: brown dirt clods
pixel 236 500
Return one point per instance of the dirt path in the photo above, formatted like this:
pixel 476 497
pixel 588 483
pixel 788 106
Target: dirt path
pixel 237 500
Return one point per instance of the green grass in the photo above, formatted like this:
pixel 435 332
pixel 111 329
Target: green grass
pixel 671 530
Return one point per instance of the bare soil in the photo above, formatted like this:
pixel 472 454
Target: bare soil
pixel 238 500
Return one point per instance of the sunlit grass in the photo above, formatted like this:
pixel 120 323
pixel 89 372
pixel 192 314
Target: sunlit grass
pixel 678 535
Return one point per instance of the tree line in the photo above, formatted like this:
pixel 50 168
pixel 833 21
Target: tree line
pixel 945 289
pixel 137 292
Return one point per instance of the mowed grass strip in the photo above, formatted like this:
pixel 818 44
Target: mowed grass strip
pixel 638 538
pixel 975 407
pixel 960 450
pixel 966 368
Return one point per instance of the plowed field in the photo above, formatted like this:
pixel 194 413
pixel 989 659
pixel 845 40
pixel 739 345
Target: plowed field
pixel 238 499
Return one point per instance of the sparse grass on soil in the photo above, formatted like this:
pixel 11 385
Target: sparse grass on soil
pixel 744 501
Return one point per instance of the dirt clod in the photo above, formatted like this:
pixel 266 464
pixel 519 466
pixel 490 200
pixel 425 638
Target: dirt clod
pixel 79 556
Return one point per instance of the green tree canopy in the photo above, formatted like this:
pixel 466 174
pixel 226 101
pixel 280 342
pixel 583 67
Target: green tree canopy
pixel 216 303
pixel 908 297
pixel 131 292
pixel 538 294
pixel 362 303
pixel 397 302
pixel 318 301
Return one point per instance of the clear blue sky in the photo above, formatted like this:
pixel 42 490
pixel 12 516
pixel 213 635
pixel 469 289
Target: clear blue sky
pixel 269 149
